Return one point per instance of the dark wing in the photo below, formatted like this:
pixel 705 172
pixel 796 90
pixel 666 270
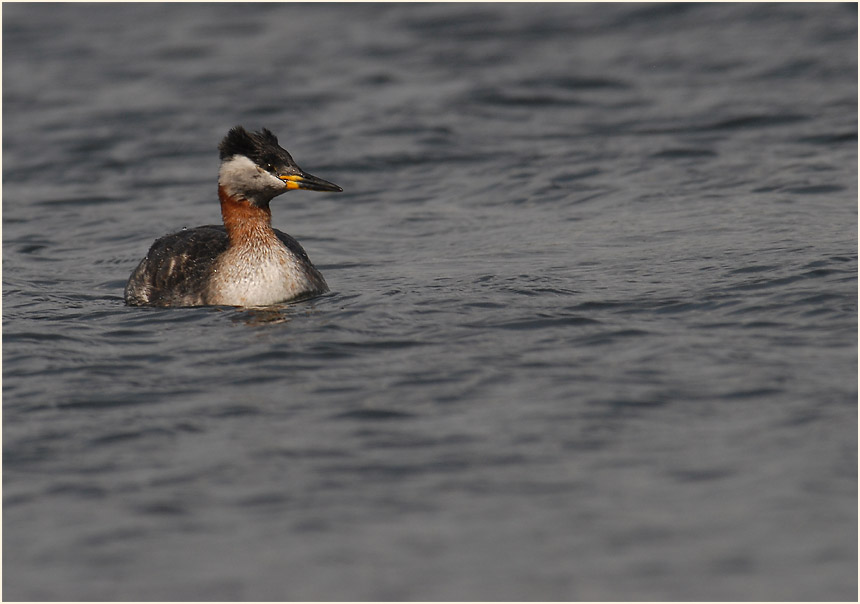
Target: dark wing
pixel 319 282
pixel 177 268
pixel 292 245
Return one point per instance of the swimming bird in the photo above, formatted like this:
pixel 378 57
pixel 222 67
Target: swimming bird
pixel 245 262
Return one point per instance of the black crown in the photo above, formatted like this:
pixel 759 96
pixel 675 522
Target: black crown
pixel 260 147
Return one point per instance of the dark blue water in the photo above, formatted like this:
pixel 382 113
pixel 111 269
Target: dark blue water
pixel 593 324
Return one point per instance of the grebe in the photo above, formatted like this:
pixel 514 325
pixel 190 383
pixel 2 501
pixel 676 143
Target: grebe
pixel 245 262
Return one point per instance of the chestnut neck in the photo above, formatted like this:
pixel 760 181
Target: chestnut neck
pixel 242 218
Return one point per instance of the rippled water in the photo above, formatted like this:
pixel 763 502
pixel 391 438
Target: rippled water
pixel 593 324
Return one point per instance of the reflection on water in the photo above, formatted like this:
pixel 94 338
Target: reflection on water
pixel 261 316
pixel 594 275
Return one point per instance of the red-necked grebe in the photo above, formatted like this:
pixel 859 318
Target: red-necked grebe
pixel 245 262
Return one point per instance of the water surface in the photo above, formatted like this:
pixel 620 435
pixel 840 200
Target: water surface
pixel 592 331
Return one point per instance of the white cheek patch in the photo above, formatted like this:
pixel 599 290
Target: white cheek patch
pixel 241 177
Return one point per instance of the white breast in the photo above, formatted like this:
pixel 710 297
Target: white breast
pixel 258 276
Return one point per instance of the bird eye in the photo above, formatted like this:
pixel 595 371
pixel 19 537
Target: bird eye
pixel 270 167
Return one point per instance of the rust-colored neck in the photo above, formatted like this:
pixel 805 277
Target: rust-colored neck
pixel 242 218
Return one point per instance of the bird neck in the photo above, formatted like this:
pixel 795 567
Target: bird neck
pixel 244 220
